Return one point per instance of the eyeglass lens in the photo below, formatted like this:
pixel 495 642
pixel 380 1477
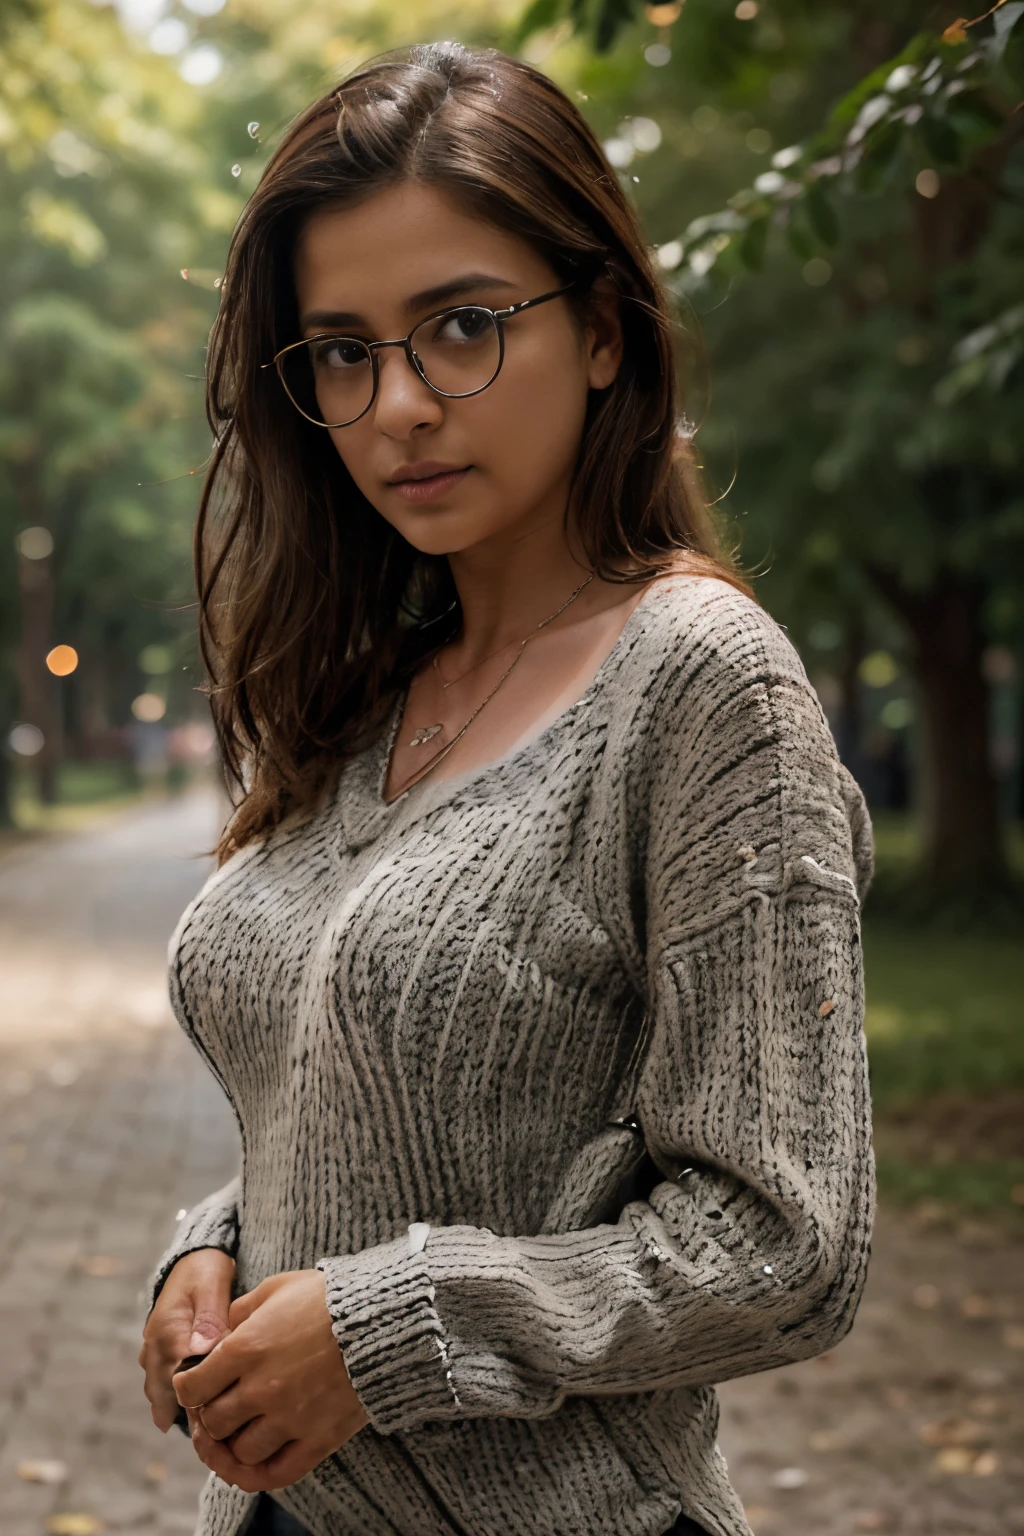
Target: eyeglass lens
pixel 331 378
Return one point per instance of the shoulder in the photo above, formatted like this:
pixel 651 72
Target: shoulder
pixel 727 718
pixel 700 642
pixel 709 622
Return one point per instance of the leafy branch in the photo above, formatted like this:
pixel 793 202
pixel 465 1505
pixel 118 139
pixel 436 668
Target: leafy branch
pixel 937 103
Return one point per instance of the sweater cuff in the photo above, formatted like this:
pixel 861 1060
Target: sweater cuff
pixel 392 1339
pixel 213 1223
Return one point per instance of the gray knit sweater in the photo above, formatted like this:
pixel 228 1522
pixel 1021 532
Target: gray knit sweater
pixel 434 1020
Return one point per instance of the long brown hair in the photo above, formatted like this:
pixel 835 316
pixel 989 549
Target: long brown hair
pixel 314 611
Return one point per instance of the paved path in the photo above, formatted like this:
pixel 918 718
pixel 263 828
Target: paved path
pixel 109 1124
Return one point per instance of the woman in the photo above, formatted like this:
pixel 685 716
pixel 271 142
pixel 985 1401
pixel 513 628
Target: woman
pixel 531 967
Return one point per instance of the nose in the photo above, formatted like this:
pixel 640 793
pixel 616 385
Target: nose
pixel 404 401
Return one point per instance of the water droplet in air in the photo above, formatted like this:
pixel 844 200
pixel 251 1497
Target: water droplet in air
pixel 236 170
pixel 636 178
pixel 253 129
pixel 184 273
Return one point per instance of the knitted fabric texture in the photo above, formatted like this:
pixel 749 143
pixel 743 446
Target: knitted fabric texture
pixel 440 1014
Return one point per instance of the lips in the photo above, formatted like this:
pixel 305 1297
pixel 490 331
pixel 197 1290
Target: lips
pixel 428 471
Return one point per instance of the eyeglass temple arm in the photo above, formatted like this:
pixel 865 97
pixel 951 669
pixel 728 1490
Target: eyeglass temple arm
pixel 514 309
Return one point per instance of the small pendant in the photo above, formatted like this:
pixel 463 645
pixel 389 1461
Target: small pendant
pixel 424 734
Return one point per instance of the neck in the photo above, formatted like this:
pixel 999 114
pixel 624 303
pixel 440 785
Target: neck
pixel 507 588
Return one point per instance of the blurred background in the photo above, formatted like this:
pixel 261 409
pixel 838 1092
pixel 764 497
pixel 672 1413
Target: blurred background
pixel 835 193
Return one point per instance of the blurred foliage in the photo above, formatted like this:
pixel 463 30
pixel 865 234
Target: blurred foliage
pixel 838 200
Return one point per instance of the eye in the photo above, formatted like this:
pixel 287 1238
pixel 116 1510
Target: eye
pixel 338 353
pixel 465 325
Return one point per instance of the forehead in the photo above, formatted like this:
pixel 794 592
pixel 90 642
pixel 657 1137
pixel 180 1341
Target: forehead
pixel 397 241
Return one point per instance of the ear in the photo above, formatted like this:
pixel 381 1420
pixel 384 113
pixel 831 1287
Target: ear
pixel 602 336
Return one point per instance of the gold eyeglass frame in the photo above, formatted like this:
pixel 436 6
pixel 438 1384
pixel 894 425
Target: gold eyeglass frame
pixel 498 316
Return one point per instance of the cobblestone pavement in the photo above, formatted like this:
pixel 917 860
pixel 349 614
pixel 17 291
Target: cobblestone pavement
pixel 109 1124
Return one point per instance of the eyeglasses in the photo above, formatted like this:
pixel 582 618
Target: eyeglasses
pixel 332 380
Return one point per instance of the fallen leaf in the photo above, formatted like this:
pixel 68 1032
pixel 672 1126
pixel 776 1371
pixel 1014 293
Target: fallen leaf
pixel 956 32
pixel 985 1464
pixel 43 1471
pixel 156 1472
pixel 926 1296
pixel 73 1525
pixel 951 1432
pixel 823 1440
pixel 789 1477
pixel 977 1305
pixel 1013 1336
pixel 99 1265
pixel 955 1458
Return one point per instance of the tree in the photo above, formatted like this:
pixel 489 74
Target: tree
pixel 861 301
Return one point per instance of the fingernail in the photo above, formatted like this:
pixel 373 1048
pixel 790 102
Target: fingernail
pixel 199 1344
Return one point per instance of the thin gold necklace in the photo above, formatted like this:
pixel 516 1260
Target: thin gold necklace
pixel 427 733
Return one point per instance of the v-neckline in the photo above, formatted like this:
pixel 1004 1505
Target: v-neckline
pixel 361 807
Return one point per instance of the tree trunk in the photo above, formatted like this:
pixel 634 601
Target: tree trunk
pixel 38 696
pixel 964 851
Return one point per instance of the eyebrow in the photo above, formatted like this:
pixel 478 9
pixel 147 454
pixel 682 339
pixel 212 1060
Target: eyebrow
pixel 437 295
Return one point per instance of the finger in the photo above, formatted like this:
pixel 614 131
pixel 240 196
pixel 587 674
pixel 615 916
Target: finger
pixel 202 1383
pixel 257 1441
pixel 244 1306
pixel 219 1458
pixel 159 1392
pixel 292 1462
pixel 209 1325
pixel 222 1416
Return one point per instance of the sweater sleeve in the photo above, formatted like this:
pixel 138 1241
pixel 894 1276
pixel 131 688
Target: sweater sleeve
pixel 751 1251
pixel 213 1223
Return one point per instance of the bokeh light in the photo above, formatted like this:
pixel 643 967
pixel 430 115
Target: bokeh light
pixel 156 659
pixel 928 183
pixel 817 271
pixel 201 65
pixel 62 660
pixel 149 708
pixel 35 543
pixel 26 740
pixel 878 669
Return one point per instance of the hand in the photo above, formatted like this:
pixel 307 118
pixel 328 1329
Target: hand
pixel 190 1316
pixel 274 1398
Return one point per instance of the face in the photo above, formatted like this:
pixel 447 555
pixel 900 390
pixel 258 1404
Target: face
pixel 519 438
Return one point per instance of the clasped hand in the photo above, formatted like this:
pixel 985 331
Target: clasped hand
pixel 273 1398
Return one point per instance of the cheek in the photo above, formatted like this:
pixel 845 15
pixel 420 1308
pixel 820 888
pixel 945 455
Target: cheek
pixel 534 423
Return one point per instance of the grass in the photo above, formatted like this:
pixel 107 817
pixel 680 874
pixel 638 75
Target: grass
pixel 945 1004
pixel 83 789
pixel 946 1054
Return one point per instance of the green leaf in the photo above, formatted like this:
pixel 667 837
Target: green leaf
pixel 1005 19
pixel 821 215
pixel 880 149
pixel 609 19
pixel 799 241
pixel 538 15
pixel 752 245
pixel 940 139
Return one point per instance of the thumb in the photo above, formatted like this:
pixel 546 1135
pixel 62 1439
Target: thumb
pixel 208 1328
pixel 210 1317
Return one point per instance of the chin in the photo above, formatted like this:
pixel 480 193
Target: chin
pixel 437 531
